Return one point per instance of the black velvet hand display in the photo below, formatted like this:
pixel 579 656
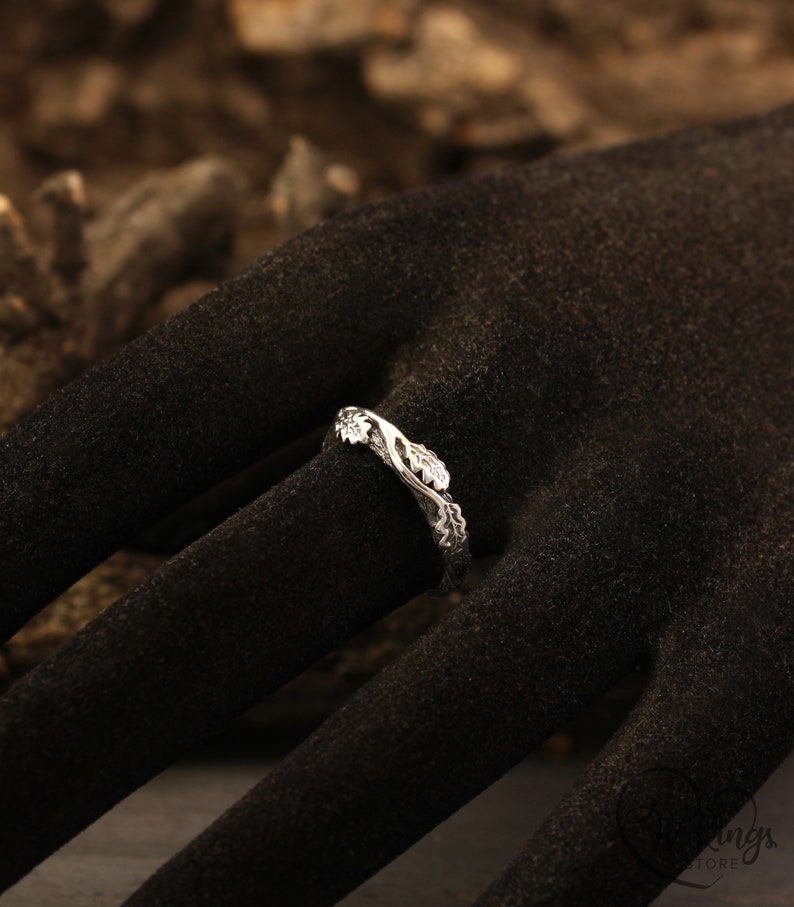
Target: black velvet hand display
pixel 600 348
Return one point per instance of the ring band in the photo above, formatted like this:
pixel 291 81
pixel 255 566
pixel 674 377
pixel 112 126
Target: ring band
pixel 424 474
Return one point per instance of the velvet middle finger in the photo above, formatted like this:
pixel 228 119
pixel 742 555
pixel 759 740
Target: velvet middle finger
pixel 219 626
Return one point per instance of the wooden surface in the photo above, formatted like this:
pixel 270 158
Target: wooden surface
pixel 448 868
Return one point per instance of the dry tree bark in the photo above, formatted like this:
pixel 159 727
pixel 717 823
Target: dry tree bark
pixel 88 294
pixel 308 187
pixel 489 75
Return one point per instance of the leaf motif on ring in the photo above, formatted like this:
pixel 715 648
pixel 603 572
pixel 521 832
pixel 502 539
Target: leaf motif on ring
pixel 353 426
pixel 450 525
pixel 425 463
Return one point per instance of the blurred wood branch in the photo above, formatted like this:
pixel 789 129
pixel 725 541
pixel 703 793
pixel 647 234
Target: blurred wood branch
pixel 89 292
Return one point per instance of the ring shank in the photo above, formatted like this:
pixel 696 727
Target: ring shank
pixel 426 477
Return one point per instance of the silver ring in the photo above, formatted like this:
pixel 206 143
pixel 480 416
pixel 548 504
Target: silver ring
pixel 424 474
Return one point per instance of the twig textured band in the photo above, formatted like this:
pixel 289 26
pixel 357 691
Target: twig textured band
pixel 424 474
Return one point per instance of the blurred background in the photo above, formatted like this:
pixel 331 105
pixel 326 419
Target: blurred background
pixel 148 148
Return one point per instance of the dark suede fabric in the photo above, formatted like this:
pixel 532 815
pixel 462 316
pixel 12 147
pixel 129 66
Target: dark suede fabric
pixel 601 350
